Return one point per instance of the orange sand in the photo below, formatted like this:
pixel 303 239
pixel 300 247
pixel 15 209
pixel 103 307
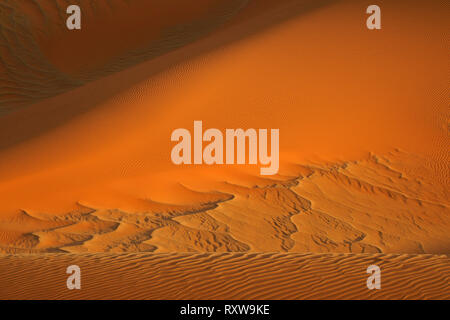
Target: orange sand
pixel 86 118
pixel 230 276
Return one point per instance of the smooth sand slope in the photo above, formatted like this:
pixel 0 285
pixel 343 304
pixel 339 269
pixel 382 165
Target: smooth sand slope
pixel 86 119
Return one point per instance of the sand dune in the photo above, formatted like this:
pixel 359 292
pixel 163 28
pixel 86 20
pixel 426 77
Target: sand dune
pixel 116 170
pixel 325 209
pixel 225 276
pixel 86 119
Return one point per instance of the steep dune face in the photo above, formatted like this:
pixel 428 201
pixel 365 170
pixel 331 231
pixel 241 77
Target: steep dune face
pixel 26 75
pixel 41 58
pixel 364 129
pixel 117 34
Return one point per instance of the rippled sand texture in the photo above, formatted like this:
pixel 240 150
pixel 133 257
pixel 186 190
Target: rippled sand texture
pixel 225 276
pixel 86 118
pixel 325 209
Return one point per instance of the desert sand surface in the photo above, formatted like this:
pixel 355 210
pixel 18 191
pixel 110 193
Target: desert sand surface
pixel 230 276
pixel 85 169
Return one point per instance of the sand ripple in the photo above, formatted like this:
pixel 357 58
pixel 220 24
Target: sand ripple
pixel 225 276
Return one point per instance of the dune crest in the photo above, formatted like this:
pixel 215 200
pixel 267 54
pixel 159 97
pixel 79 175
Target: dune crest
pixel 35 36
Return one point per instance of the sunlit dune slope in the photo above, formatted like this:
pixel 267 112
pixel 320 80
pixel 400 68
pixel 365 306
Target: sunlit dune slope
pixel 225 276
pixel 363 135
